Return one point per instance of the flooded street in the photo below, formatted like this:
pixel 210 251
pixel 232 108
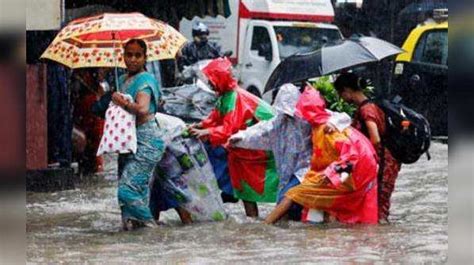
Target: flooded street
pixel 84 225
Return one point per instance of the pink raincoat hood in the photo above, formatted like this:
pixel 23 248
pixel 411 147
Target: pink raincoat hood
pixel 312 107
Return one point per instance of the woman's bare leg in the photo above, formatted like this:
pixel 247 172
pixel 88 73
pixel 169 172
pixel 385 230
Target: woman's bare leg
pixel 280 210
pixel 184 215
pixel 251 209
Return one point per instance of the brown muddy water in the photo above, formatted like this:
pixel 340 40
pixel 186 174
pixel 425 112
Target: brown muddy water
pixel 83 226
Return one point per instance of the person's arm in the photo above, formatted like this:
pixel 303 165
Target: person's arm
pixel 371 116
pixel 217 49
pixel 210 121
pixel 303 163
pixel 183 57
pixel 140 107
pixel 348 157
pixel 374 135
pixel 257 137
pixel 200 129
pixel 231 123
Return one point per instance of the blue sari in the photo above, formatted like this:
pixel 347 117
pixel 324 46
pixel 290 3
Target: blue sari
pixel 136 170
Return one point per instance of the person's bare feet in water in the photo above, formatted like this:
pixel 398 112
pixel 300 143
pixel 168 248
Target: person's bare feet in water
pixel 127 225
pixel 384 221
pixel 130 225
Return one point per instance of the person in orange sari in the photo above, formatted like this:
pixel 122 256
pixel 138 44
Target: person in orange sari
pixel 342 180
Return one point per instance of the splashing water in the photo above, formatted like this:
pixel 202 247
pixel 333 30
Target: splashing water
pixel 83 225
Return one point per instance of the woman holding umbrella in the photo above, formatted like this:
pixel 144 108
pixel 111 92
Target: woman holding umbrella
pixel 95 42
pixel 135 170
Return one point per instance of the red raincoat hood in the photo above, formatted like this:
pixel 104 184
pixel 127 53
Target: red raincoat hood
pixel 312 107
pixel 219 73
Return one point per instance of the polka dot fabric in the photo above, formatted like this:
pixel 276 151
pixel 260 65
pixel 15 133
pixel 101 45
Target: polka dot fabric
pixel 120 135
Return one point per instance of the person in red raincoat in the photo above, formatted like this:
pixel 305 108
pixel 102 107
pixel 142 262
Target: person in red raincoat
pixel 253 172
pixel 88 92
pixel 342 180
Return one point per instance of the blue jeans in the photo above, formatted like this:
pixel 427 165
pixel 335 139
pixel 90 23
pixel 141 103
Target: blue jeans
pixel 295 211
pixel 218 158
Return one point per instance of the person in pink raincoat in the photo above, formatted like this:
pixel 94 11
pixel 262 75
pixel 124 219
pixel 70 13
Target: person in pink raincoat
pixel 342 180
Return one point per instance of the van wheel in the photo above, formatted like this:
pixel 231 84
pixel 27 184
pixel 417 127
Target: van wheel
pixel 254 91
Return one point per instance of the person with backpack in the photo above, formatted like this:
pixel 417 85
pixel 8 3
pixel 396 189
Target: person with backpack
pixel 370 120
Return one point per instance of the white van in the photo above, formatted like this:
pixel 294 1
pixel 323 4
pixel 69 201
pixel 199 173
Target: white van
pixel 262 33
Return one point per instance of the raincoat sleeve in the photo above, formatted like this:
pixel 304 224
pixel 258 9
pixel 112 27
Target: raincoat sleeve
pixel 211 120
pixel 348 154
pixel 303 164
pixel 231 123
pixel 301 172
pixel 258 136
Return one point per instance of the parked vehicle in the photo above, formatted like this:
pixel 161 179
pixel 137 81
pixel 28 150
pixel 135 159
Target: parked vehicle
pixel 262 33
pixel 421 73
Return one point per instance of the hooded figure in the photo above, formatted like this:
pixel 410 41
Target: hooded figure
pixel 253 172
pixel 288 137
pixel 343 169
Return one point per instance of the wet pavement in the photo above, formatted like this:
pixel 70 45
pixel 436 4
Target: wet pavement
pixel 83 225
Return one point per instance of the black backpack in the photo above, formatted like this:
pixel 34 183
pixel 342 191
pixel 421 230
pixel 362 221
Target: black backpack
pixel 408 133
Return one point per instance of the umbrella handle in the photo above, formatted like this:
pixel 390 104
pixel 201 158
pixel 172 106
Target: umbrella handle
pixel 115 63
pixel 116 79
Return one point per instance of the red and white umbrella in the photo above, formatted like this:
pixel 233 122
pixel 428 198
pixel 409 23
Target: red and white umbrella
pixel 98 41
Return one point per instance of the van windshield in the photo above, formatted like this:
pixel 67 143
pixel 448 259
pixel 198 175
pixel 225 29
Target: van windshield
pixel 293 40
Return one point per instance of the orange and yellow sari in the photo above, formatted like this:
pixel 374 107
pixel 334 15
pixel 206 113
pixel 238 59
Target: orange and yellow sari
pixel 350 200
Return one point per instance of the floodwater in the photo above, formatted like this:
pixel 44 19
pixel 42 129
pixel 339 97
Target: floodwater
pixel 83 225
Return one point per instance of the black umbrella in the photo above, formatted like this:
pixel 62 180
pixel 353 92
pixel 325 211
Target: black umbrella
pixel 330 59
pixel 423 7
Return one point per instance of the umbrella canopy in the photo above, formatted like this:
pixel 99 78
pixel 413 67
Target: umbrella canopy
pixel 97 41
pixel 423 7
pixel 330 59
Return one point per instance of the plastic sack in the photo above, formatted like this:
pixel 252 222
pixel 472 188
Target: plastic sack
pixel 172 127
pixel 185 177
pixel 189 102
pixel 120 133
pixel 312 216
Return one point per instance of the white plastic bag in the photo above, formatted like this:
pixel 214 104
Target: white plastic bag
pixel 120 133
pixel 172 126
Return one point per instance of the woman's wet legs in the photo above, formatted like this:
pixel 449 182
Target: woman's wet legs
pixel 184 215
pixel 280 210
